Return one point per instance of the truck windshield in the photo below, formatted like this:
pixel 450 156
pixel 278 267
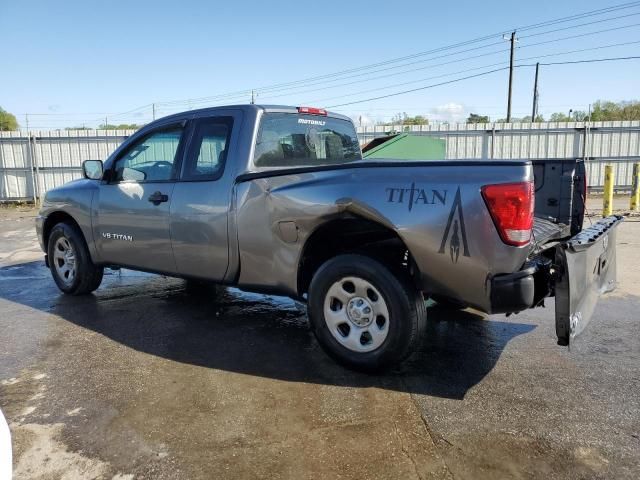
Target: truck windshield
pixel 292 140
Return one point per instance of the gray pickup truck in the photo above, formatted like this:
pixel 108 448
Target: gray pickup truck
pixel 279 200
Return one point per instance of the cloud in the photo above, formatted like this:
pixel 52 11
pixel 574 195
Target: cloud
pixel 449 112
pixel 54 108
pixel 363 119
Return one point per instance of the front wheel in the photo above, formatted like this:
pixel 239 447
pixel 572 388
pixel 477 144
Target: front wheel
pixel 363 315
pixel 70 262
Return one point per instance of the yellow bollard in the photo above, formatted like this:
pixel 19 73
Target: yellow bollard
pixel 635 188
pixel 607 199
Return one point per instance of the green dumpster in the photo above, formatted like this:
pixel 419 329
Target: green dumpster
pixel 405 146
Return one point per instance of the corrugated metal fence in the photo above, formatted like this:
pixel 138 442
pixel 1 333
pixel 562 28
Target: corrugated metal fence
pixel 599 143
pixel 35 162
pixel 32 163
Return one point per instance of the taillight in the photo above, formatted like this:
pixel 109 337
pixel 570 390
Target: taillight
pixel 312 111
pixel 511 207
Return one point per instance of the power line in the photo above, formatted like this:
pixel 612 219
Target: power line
pixel 421 88
pixel 216 97
pixel 467 77
pixel 243 93
pixel 545 42
pixel 580 25
pixel 320 79
pixel 473 57
pixel 240 93
pixel 591 60
pixel 447 74
pixel 464 59
pixel 443 75
pixel 592 13
pixel 479 75
pixel 581 35
pixel 289 92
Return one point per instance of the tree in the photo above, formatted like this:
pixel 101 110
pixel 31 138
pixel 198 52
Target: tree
pixel 559 117
pixel 475 118
pixel 122 126
pixel 8 121
pixel 403 119
pixel 525 119
pixel 603 111
pixel 417 120
pixel 577 116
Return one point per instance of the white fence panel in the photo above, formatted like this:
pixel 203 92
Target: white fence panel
pixel 41 160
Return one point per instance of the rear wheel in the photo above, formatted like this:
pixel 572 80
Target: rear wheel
pixel 363 315
pixel 70 262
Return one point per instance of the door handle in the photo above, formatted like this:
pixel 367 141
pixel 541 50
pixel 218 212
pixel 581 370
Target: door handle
pixel 158 197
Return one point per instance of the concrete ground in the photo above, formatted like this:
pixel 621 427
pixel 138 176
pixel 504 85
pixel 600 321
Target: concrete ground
pixel 146 380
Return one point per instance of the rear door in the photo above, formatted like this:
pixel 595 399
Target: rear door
pixel 133 206
pixel 202 198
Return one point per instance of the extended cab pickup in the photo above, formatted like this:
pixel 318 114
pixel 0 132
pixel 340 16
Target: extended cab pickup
pixel 279 200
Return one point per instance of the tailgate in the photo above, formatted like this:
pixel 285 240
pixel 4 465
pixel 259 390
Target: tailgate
pixel 587 269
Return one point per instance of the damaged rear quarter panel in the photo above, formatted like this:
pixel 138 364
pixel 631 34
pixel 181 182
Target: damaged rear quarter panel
pixel 436 209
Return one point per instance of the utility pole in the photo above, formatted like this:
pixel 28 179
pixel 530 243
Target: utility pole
pixel 26 121
pixel 253 97
pixel 513 45
pixel 534 110
pixel 106 122
pixel 153 109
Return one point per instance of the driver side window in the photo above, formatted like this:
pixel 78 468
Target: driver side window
pixel 151 159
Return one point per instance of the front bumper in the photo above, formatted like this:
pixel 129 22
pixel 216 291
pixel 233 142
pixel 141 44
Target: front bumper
pixel 39 229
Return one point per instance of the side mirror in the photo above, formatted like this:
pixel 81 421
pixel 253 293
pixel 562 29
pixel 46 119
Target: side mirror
pixel 92 169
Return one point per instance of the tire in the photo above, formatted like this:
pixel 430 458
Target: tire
pixel 360 339
pixel 70 262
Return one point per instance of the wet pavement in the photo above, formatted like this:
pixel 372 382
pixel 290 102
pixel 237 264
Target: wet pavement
pixel 146 379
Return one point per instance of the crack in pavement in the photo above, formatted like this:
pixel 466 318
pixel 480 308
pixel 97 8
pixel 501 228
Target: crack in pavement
pixel 405 452
pixel 432 436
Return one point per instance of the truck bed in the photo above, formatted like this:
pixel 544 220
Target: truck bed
pixel 545 231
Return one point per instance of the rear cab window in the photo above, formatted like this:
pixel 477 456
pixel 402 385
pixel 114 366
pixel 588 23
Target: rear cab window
pixel 298 140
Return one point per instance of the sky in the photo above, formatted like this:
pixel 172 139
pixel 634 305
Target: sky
pixel 78 62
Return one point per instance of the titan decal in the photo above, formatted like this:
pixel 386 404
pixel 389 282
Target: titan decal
pixel 457 231
pixel 413 196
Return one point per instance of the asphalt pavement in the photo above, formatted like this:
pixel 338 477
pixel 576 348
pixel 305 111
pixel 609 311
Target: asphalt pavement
pixel 145 379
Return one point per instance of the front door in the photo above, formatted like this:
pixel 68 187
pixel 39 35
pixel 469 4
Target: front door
pixel 133 207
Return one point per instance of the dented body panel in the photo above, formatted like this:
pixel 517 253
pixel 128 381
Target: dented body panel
pixel 437 212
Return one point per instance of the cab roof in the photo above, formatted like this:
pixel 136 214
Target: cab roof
pixel 246 107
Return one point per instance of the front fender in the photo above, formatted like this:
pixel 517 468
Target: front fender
pixel 75 201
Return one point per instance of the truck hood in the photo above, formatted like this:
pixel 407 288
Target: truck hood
pixel 72 189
